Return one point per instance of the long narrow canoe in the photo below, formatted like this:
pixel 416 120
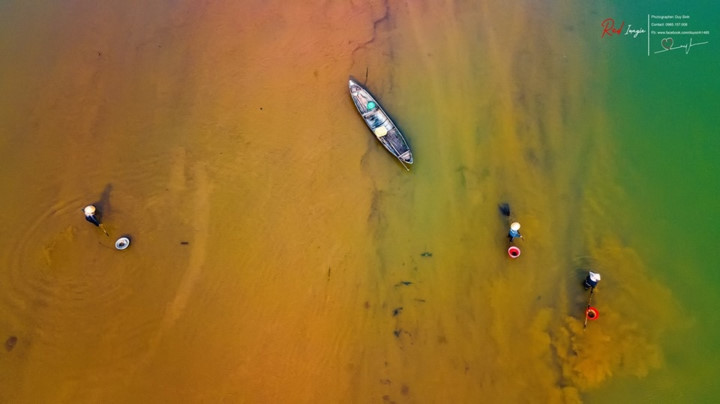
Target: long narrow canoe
pixel 380 123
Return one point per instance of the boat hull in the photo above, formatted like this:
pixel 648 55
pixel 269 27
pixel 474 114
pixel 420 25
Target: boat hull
pixel 380 123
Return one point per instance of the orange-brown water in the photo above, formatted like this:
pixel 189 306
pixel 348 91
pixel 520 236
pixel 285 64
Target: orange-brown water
pixel 277 249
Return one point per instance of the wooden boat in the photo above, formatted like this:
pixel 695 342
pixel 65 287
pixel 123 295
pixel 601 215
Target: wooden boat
pixel 380 123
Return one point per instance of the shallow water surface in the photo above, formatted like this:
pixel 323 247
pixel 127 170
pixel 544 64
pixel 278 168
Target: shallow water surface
pixel 279 254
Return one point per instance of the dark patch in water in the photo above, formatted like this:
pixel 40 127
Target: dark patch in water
pixel 403 283
pixel 426 254
pixel 10 343
pixel 375 214
pixel 463 180
pixel 504 208
pixel 397 311
pixel 184 242
pixel 532 158
pixel 405 390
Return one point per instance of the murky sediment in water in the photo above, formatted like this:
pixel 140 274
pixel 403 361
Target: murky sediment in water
pixel 279 254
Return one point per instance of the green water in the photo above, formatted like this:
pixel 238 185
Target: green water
pixel 663 121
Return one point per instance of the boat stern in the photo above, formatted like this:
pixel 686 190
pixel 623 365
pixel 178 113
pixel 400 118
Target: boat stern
pixel 406 157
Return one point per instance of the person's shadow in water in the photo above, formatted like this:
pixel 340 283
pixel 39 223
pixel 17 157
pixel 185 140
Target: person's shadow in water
pixel 103 204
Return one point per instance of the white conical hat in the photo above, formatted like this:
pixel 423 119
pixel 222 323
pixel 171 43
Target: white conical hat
pixel 89 210
pixel 515 226
pixel 380 131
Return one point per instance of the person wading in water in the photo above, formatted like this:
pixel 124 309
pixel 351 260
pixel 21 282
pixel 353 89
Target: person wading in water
pixel 91 215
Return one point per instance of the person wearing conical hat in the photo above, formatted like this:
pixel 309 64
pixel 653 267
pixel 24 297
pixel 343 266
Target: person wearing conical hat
pixel 514 231
pixel 591 280
pixel 91 215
